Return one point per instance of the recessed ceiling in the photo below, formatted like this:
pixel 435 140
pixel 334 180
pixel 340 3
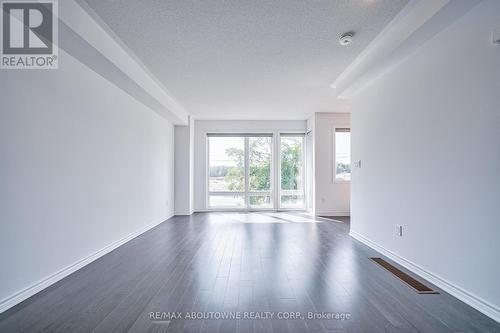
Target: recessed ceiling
pixel 248 59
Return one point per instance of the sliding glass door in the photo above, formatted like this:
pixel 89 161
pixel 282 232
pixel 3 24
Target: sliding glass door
pixel 292 175
pixel 240 171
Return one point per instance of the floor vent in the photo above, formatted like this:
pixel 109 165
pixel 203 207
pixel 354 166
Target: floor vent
pixel 418 286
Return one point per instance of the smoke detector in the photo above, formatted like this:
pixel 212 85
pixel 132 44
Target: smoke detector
pixel 346 38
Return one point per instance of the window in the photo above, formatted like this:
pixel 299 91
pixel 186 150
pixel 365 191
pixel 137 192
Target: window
pixel 292 176
pixel 226 172
pixel 240 171
pixel 342 154
pixel 226 168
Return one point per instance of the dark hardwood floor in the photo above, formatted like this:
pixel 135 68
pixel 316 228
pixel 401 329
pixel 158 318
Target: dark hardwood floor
pixel 251 265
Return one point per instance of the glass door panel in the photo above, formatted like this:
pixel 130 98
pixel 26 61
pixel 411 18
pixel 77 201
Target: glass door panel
pixel 260 151
pixel 292 174
pixel 260 164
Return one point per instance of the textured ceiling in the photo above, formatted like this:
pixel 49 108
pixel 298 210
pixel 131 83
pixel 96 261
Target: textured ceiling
pixel 247 59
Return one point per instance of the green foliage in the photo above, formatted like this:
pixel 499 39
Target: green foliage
pixel 260 167
pixel 291 159
pixel 260 164
pixel 219 170
pixel 259 201
pixel 235 177
pixel 260 177
pixel 343 168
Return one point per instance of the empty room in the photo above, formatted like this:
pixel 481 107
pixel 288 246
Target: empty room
pixel 249 166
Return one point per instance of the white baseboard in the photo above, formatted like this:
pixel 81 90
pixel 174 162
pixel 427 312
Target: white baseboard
pixel 183 213
pixel 332 213
pixel 20 296
pixel 474 301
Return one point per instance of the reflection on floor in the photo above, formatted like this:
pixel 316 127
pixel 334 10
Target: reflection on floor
pixel 268 217
pixel 231 272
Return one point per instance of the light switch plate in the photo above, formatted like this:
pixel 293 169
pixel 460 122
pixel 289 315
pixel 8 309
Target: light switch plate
pixel 495 36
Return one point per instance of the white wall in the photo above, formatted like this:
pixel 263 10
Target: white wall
pixel 428 135
pixel 202 127
pixel 83 165
pixel 331 197
pixel 310 186
pixel 184 169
